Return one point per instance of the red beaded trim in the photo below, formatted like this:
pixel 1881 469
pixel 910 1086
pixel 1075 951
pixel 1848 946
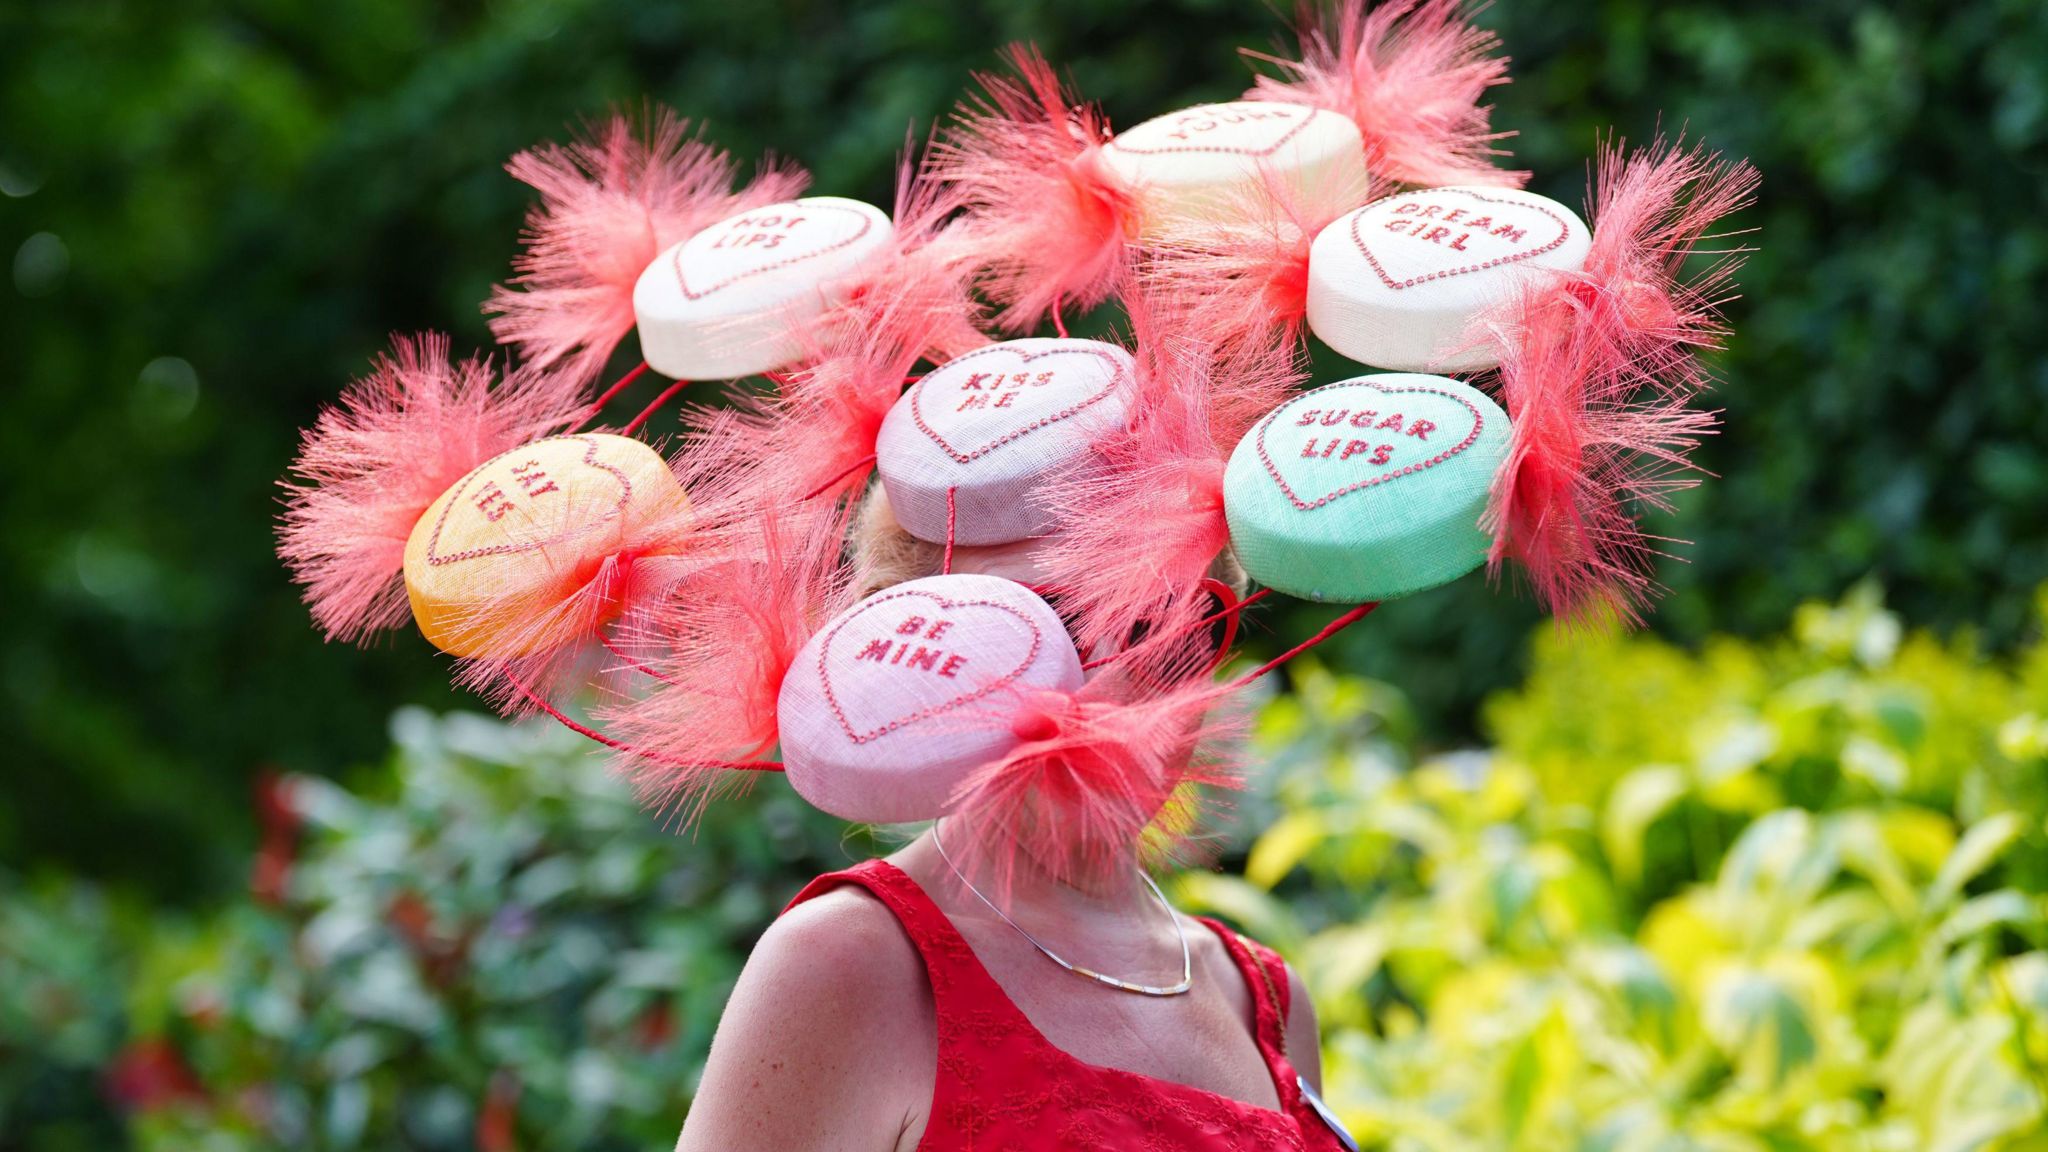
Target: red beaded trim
pixel 1167 149
pixel 590 447
pixel 925 713
pixel 917 392
pixel 1564 231
pixel 1478 423
pixel 867 224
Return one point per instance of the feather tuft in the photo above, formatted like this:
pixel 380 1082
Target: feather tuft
pixel 726 636
pixel 1164 470
pixel 371 465
pixel 1048 220
pixel 1410 74
pixel 1240 274
pixel 611 200
pixel 1598 371
pixel 1107 775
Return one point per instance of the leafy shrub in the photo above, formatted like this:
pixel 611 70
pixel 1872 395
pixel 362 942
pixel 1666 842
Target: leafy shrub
pixel 507 953
pixel 1776 896
pixel 1782 896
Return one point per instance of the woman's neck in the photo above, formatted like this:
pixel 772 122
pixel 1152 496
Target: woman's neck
pixel 1032 891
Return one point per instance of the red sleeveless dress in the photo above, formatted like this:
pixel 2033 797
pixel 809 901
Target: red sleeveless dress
pixel 1002 1085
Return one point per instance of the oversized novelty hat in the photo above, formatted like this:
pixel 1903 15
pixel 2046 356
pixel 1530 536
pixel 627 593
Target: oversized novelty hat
pixel 711 591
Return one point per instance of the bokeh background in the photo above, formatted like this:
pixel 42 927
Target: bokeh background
pixel 1769 877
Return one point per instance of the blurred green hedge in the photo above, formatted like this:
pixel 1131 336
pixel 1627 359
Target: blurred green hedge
pixel 1769 897
pixel 216 210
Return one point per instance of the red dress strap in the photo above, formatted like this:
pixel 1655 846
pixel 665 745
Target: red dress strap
pixel 961 987
pixel 1265 973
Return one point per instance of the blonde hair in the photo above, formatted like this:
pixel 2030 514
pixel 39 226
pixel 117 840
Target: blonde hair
pixel 885 555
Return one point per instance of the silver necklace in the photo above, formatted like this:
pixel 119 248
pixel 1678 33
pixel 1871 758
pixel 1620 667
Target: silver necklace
pixel 1187 968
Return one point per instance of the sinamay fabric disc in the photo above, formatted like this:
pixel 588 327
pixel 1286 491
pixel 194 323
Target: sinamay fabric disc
pixel 1396 284
pixel 1366 489
pixel 1189 164
pixel 525 529
pixel 733 299
pixel 997 425
pixel 880 711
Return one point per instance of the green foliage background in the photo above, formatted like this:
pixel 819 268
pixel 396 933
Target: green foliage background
pixel 215 211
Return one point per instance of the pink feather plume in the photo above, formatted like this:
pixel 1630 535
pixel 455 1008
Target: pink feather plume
pixel 1240 275
pixel 1164 470
pixel 1410 74
pixel 370 466
pixel 726 637
pixel 1651 210
pixel 1107 775
pixel 1597 374
pixel 1046 217
pixel 611 201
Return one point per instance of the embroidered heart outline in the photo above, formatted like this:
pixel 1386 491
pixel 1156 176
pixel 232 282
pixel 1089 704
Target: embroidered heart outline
pixel 930 710
pixel 1117 377
pixel 1273 470
pixel 867 224
pixel 590 446
pixel 1278 143
pixel 1564 231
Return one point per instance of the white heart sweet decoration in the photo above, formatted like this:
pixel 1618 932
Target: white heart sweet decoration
pixel 743 295
pixel 1401 282
pixel 1214 163
pixel 764 241
pixel 1438 233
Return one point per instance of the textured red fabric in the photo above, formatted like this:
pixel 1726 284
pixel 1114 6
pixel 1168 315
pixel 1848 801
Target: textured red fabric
pixel 1002 1084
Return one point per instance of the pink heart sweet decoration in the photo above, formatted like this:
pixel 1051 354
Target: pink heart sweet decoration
pixel 981 401
pixel 933 654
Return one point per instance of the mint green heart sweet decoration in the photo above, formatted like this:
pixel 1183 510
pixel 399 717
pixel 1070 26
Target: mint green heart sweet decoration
pixel 1366 489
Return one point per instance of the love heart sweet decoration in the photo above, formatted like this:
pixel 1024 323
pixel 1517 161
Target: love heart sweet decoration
pixel 985 434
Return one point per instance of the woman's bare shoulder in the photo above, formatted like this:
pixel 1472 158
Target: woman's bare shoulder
pixel 832 982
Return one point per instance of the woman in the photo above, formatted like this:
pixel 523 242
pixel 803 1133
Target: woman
pixel 893 1005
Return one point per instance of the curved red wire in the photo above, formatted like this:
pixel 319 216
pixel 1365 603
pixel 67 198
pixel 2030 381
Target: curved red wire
pixel 622 746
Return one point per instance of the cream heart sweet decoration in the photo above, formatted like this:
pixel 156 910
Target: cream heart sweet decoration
pixel 523 527
pixel 887 707
pixel 1398 282
pixel 1196 165
pixel 1244 128
pixel 996 427
pixel 732 299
